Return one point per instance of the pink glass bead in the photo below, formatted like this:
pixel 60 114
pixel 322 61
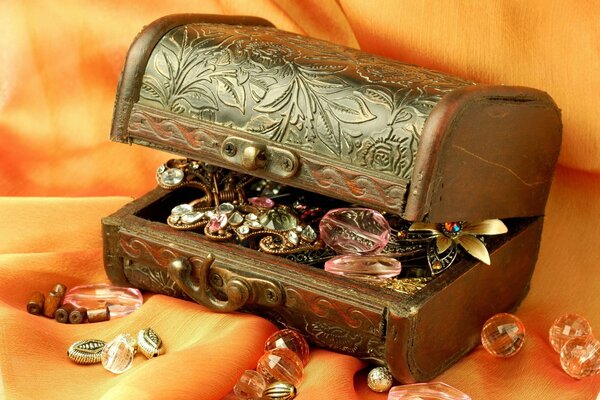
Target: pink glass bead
pixel 263 202
pixel 289 339
pixel 121 301
pixel 251 385
pixel 359 266
pixel 566 328
pixel 503 335
pixel 281 365
pixel 217 223
pixel 426 391
pixel 354 230
pixel 580 357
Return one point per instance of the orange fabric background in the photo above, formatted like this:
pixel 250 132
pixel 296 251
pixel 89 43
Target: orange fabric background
pixel 59 66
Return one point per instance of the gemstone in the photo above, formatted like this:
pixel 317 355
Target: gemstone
pixel 426 391
pixel 251 385
pixel 289 339
pixel 503 335
pixel 253 224
pixel 171 177
pixel 251 217
pixel 293 237
pixel 217 223
pixel 354 230
pixel 210 214
pixel 278 220
pixel 226 208
pixel 161 169
pixel 281 365
pixel 309 234
pixel 452 228
pixel 580 357
pixel 263 202
pixel 566 328
pixel 117 355
pixel 236 219
pixel 380 379
pixel 280 391
pixel 182 209
pixel 192 217
pixel 363 266
pixel 121 301
pixel 244 230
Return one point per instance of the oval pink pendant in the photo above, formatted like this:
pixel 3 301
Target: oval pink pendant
pixel 121 301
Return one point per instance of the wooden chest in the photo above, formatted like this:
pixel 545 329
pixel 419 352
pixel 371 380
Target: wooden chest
pixel 336 126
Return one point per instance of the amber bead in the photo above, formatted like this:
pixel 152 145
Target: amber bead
pixel 251 385
pixel 289 339
pixel 503 335
pixel 281 365
pixel 98 314
pixel 78 316
pixel 54 300
pixel 62 313
pixel 36 303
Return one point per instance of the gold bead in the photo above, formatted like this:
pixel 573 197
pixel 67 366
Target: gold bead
pixel 280 391
pixel 380 379
pixel 87 351
pixel 149 343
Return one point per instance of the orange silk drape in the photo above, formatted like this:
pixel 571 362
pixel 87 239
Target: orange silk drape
pixel 59 66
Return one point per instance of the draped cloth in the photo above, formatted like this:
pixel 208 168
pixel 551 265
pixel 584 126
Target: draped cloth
pixel 59 174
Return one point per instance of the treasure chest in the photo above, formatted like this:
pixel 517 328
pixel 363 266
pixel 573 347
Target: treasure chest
pixel 272 130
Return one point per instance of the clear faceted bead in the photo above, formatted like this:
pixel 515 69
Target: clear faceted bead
pixel 289 339
pixel 580 357
pixel 426 391
pixel 359 266
pixel 281 365
pixel 121 301
pixel 251 385
pixel 566 328
pixel 503 335
pixel 117 355
pixel 354 230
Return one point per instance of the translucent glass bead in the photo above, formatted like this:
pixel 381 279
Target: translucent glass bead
pixel 566 328
pixel 289 339
pixel 121 301
pixel 580 357
pixel 359 266
pixel 503 335
pixel 251 385
pixel 117 355
pixel 354 230
pixel 263 202
pixel 281 365
pixel 426 391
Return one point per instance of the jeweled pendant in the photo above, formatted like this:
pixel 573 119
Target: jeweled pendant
pixel 363 266
pixel 117 355
pixel 566 328
pixel 354 230
pixel 426 391
pixel 121 301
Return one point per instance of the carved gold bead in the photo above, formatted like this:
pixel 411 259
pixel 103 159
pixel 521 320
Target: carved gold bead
pixel 280 391
pixel 149 343
pixel 380 379
pixel 88 351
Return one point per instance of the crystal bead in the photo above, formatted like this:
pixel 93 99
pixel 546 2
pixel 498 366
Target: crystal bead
pixel 580 357
pixel 566 328
pixel 503 335
pixel 309 234
pixel 278 220
pixel 281 365
pixel 117 355
pixel 426 391
pixel 263 202
pixel 354 230
pixel 121 301
pixel 251 385
pixel 380 379
pixel 182 209
pixel 358 266
pixel 192 217
pixel 289 339
pixel 217 223
pixel 171 177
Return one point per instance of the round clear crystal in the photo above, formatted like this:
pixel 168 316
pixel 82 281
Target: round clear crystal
pixel 171 177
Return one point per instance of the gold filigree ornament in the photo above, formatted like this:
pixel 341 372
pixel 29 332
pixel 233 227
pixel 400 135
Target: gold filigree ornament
pixel 88 351
pixel 449 236
pixel 149 343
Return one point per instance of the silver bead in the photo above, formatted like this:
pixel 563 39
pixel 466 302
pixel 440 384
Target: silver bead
pixel 87 351
pixel 380 379
pixel 149 343
pixel 280 391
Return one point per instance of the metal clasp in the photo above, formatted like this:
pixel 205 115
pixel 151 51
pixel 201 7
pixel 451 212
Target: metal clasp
pixel 251 155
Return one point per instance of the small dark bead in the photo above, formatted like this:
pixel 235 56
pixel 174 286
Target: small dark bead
pixel 53 301
pixel 36 303
pixel 62 313
pixel 78 316
pixel 60 289
pixel 98 314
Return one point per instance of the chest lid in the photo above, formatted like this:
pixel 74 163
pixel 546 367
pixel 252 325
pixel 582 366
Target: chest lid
pixel 238 93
